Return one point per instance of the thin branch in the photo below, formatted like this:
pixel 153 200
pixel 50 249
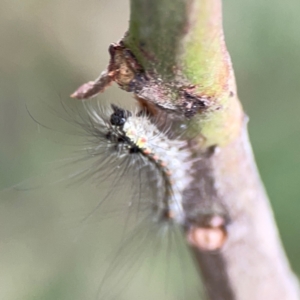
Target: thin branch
pixel 93 88
pixel 174 58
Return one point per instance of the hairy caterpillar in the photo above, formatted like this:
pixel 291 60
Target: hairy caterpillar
pixel 134 134
pixel 121 144
pixel 166 161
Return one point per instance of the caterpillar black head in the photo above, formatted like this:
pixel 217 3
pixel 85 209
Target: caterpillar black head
pixel 119 116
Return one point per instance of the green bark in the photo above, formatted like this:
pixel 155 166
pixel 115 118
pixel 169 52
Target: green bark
pixel 181 44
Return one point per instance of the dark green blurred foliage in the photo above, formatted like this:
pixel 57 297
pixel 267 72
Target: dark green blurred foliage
pixel 47 50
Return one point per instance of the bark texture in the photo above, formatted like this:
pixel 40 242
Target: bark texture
pixel 251 264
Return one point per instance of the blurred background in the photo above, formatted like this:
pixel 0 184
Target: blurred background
pixel 47 50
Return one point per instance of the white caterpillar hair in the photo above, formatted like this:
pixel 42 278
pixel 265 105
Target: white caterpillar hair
pixel 134 136
pixel 148 166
